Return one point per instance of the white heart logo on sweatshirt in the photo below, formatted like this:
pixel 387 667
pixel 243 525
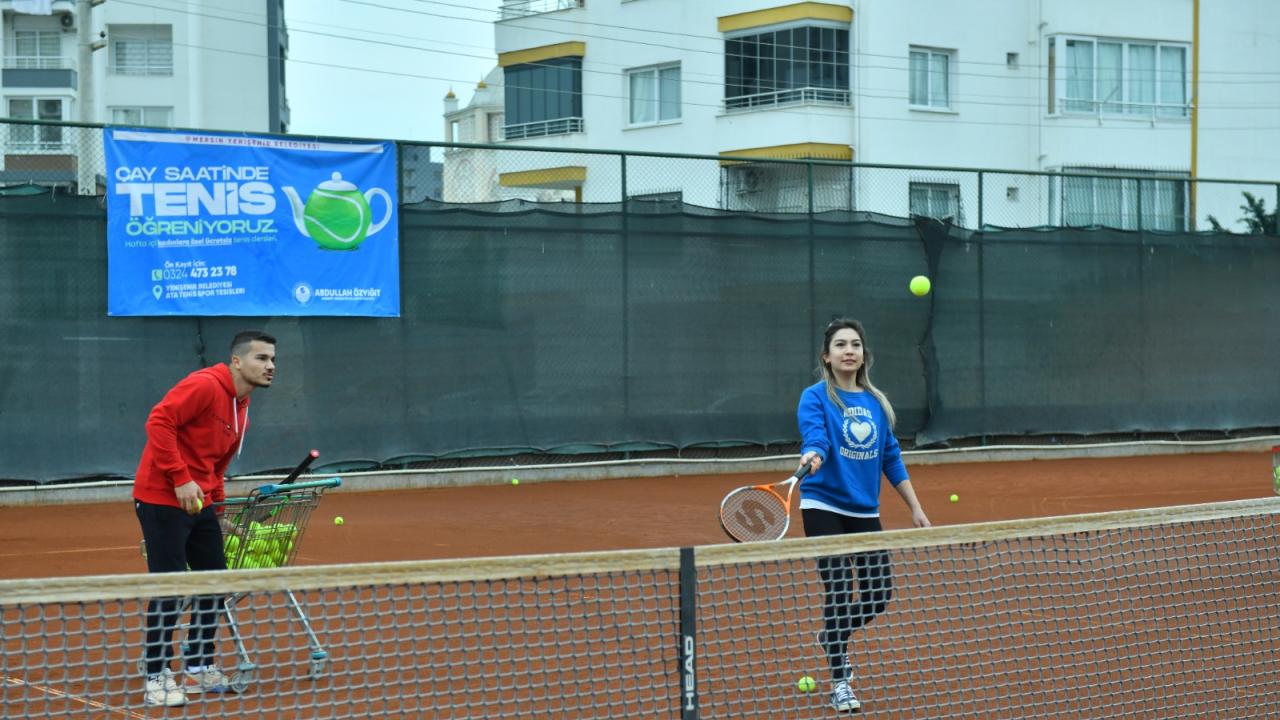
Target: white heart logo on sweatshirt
pixel 861 430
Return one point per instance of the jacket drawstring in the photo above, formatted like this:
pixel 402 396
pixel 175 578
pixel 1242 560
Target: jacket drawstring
pixel 235 414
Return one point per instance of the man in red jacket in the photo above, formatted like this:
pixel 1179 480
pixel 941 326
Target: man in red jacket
pixel 192 435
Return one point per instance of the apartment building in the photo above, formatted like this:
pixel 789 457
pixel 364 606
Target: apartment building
pixel 214 64
pixel 1024 85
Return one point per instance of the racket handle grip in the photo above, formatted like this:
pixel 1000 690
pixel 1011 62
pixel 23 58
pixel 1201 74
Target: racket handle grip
pixel 804 470
pixel 302 467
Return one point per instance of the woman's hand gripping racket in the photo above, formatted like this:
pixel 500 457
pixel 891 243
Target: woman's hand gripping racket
pixel 754 513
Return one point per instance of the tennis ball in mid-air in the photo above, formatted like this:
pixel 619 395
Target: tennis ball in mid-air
pixel 955 498
pixel 806 684
pixel 338 520
pixel 515 481
pixel 920 286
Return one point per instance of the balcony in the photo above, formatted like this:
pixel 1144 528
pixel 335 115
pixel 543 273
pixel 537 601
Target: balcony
pixel 21 71
pixel 525 8
pixel 542 128
pixel 794 96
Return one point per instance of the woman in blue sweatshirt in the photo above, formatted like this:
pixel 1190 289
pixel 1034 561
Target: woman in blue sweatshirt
pixel 846 429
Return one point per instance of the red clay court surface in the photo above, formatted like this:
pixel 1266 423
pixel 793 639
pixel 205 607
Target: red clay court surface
pixel 572 516
pixel 411 673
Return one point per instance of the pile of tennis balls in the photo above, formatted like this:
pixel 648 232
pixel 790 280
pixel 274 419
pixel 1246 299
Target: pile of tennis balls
pixel 263 546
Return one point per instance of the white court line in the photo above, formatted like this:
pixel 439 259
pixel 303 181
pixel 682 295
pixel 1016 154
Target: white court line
pixel 64 552
pixel 75 698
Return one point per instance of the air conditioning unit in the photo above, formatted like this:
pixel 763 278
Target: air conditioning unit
pixel 68 21
pixel 750 179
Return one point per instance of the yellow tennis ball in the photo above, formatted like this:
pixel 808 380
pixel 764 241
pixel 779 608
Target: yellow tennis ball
pixel 338 520
pixel 199 504
pixel 920 286
pixel 806 684
pixel 515 481
pixel 955 498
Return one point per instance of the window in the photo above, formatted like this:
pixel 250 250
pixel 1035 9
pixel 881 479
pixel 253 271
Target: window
pixel 36 50
pixel 936 200
pixel 455 131
pixel 544 98
pixel 1115 77
pixel 141 49
pixel 807 64
pixel 930 78
pixel 26 138
pixel 142 116
pixel 654 94
pixel 1128 203
pixel 657 202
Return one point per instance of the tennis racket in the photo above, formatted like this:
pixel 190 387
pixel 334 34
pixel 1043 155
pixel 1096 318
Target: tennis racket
pixel 755 513
pixel 302 467
pixel 261 514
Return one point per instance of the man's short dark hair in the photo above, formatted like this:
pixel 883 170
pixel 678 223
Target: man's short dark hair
pixel 242 339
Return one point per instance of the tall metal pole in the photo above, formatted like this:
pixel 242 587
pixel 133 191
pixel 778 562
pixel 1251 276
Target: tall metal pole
pixel 1195 104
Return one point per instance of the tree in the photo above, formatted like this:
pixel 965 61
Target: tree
pixel 1256 217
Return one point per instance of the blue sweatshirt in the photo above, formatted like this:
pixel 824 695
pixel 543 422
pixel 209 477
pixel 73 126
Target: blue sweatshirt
pixel 856 446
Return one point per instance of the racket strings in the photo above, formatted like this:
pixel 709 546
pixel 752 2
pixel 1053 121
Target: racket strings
pixel 753 514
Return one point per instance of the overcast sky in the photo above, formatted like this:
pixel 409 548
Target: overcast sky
pixel 380 68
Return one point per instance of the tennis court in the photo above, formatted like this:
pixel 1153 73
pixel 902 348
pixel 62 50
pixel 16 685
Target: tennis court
pixel 1120 617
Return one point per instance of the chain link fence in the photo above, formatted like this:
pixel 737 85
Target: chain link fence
pixel 70 156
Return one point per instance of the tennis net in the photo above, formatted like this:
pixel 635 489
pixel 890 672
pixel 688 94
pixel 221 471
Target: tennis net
pixel 1168 613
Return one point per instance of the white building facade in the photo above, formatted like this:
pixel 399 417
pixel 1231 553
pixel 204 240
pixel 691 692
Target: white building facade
pixel 213 64
pixel 1024 85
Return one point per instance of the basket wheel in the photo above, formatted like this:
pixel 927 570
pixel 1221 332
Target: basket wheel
pixel 241 680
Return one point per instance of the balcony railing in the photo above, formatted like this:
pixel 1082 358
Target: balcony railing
pixel 36 147
pixel 1121 110
pixel 525 8
pixel 794 96
pixel 37 62
pixel 559 126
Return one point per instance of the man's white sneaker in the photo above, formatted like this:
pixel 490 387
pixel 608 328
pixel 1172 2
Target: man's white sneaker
pixel 163 691
pixel 207 680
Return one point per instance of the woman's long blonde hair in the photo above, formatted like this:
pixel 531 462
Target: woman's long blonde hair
pixel 862 377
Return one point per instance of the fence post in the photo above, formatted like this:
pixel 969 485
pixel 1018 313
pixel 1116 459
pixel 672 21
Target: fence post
pixel 625 244
pixel 980 183
pixel 1139 183
pixel 810 165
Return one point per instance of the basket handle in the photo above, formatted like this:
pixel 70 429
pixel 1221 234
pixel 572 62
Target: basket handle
pixel 274 488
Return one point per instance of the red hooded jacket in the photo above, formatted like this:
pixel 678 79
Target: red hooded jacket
pixel 192 434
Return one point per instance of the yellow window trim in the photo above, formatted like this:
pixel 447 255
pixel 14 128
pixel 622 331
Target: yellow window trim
pixel 784 14
pixel 794 151
pixel 563 178
pixel 545 52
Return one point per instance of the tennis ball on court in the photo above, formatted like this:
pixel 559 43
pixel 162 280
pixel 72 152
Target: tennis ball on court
pixel 515 481
pixel 920 286
pixel 338 520
pixel 806 684
pixel 955 498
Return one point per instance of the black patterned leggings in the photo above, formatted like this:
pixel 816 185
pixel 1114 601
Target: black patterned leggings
pixel 843 611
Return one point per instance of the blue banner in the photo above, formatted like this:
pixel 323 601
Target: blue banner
pixel 216 224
